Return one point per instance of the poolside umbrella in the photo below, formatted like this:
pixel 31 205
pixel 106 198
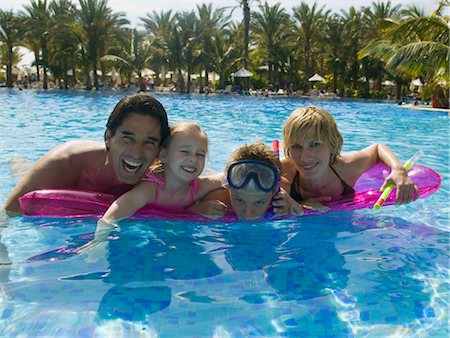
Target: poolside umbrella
pixel 388 83
pixel 242 73
pixel 417 82
pixel 316 78
pixel 147 72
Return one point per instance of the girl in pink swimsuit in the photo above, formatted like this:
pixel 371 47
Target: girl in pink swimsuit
pixel 174 182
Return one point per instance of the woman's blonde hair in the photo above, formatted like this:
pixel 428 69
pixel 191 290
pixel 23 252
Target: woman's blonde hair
pixel 312 122
pixel 255 151
pixel 176 129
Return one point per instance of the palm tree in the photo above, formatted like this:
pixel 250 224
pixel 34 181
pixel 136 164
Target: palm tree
pixel 158 26
pixel 413 12
pixel 98 24
pixel 9 36
pixel 375 21
pixel 37 24
pixel 334 41
pixel 310 31
pixel 188 28
pixel 245 4
pixel 133 59
pixel 353 35
pixel 417 46
pixel 63 42
pixel 272 28
pixel 226 56
pixel 211 23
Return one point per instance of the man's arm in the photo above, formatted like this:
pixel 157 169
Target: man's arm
pixel 54 170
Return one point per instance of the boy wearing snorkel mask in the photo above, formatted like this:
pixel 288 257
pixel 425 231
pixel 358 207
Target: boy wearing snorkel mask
pixel 251 186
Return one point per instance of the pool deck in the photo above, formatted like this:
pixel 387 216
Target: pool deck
pixel 423 107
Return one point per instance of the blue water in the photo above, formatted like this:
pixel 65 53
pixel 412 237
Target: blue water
pixel 361 273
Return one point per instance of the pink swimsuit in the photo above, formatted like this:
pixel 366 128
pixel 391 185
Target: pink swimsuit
pixel 194 186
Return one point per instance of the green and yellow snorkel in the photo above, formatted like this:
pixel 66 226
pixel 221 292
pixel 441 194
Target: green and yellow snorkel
pixel 386 192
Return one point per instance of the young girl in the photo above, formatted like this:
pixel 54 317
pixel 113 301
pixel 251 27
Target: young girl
pixel 174 182
pixel 315 168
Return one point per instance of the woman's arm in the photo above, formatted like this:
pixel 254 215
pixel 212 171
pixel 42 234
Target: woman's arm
pixel 130 202
pixel 361 161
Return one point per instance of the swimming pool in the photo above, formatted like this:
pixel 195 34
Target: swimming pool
pixel 362 273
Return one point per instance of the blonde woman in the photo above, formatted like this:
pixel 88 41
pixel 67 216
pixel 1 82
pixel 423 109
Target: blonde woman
pixel 317 170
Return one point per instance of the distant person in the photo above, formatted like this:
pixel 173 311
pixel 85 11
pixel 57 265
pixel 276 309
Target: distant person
pixel 134 131
pixel 175 181
pixel 317 171
pixel 251 186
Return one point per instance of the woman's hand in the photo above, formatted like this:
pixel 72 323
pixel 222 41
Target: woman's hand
pixel 211 209
pixel 407 191
pixel 283 204
pixel 314 204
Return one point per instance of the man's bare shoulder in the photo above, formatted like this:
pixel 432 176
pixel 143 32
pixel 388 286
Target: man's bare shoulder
pixel 62 167
pixel 77 148
pixel 74 152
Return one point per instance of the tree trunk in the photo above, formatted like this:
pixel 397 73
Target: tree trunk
pixel 9 79
pixel 334 77
pixel 94 71
pixel 44 62
pixel 206 77
pixel 180 81
pixel 36 58
pixel 306 51
pixel 189 80
pixel 74 74
pixel 65 75
pixel 246 30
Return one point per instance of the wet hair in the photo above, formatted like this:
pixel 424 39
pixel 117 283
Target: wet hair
pixel 176 129
pixel 255 151
pixel 312 122
pixel 142 104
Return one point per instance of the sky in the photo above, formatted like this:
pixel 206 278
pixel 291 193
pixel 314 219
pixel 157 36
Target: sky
pixel 138 8
pixel 135 9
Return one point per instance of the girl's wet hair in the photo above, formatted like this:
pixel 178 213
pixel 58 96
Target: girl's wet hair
pixel 312 123
pixel 142 104
pixel 175 129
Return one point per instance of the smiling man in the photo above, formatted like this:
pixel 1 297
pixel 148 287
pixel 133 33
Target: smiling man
pixel 134 131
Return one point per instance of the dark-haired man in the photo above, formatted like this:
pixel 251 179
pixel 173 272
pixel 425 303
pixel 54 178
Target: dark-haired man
pixel 134 132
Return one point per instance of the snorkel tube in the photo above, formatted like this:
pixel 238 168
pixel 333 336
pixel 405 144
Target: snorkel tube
pixel 276 147
pixel 408 164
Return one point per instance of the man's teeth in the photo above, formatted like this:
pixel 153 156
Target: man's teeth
pixel 132 165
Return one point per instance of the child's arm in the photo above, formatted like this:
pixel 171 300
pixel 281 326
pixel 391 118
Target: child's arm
pixel 127 204
pixel 213 205
pixel 208 184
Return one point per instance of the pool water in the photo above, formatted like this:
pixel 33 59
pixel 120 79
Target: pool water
pixel 362 273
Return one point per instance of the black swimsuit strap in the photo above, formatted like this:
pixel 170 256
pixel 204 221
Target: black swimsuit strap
pixel 296 195
pixel 347 189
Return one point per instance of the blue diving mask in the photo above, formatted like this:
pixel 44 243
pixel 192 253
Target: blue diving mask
pixel 264 175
